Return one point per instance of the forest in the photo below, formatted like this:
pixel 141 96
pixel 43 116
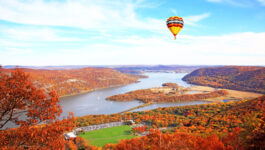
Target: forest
pixel 70 82
pixel 244 78
pixel 232 125
pixel 170 92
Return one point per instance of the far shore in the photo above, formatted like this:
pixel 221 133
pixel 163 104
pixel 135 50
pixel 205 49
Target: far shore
pixel 87 91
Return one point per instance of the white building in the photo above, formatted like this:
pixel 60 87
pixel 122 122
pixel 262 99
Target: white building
pixel 69 135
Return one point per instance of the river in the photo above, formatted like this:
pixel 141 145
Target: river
pixel 95 102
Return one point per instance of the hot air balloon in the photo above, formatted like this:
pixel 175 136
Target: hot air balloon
pixel 175 24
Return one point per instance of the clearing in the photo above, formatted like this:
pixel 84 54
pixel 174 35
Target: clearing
pixel 233 94
pixel 107 135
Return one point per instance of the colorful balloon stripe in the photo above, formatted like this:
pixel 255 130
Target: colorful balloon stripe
pixel 175 25
pixel 174 17
pixel 175 21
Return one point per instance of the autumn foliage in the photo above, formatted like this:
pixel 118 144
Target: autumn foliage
pixel 174 141
pixel 140 129
pixel 48 136
pixel 147 95
pixel 172 85
pixel 242 78
pixel 34 113
pixel 232 125
pixel 20 97
pixel 70 82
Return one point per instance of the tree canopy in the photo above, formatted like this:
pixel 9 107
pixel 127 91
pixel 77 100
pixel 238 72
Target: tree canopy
pixel 35 113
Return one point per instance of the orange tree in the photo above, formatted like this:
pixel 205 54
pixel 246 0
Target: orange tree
pixel 33 111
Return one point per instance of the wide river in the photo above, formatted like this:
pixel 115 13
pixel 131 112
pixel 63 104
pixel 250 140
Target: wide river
pixel 95 102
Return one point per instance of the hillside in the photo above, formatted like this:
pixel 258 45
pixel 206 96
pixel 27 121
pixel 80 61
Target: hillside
pixel 70 82
pixel 243 78
pixel 236 125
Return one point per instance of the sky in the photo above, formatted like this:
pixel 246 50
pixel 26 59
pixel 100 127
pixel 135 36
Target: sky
pixel 131 32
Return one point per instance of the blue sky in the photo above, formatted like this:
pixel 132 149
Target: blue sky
pixel 124 32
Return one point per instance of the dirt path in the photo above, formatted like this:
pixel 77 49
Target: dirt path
pixel 146 104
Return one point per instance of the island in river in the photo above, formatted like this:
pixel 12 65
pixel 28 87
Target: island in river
pixel 169 92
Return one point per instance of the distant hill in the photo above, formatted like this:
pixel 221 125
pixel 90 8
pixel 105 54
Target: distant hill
pixel 70 82
pixel 63 67
pixel 245 78
pixel 157 68
pixel 133 69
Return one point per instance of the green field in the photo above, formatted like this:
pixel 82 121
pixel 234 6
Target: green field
pixel 107 135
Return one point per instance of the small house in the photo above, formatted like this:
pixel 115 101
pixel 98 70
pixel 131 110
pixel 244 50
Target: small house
pixel 129 122
pixel 70 135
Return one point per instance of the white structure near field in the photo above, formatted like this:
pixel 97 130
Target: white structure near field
pixel 75 132
pixel 70 135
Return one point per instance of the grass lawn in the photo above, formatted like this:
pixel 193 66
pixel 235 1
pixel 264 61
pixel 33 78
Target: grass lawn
pixel 107 135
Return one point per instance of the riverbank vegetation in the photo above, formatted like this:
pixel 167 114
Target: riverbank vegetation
pixel 242 78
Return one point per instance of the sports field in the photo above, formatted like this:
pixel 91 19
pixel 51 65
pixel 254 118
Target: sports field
pixel 107 135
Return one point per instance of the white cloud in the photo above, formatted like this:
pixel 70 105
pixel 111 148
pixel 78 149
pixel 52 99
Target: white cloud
pixel 34 34
pixel 15 52
pixel 82 14
pixel 233 49
pixel 216 1
pixel 262 2
pixel 193 20
pixel 104 16
pixel 239 3
pixel 87 14
pixel 174 11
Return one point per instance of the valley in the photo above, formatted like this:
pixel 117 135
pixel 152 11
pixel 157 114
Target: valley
pixel 160 106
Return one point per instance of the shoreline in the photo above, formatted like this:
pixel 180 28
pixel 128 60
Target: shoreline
pixel 233 95
pixel 136 107
pixel 92 90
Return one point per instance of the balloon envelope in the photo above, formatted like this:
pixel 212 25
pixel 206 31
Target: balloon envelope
pixel 175 24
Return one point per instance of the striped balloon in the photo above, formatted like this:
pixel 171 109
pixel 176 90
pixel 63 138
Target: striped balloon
pixel 175 24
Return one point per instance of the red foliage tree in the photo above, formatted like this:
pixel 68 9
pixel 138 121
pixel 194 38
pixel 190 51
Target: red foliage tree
pixel 20 98
pixel 140 129
pixel 158 141
pixel 33 111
